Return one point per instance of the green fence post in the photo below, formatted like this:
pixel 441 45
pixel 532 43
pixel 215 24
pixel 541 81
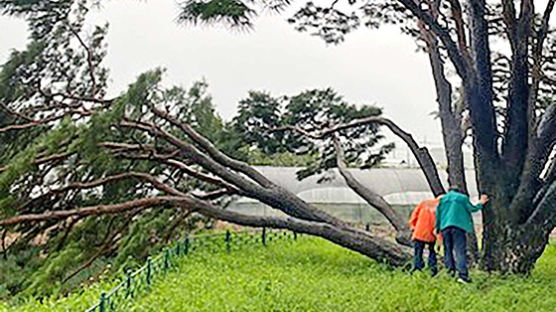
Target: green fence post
pixel 264 236
pixel 149 269
pixel 186 247
pixel 228 238
pixel 294 235
pixel 127 283
pixel 166 259
pixel 178 249
pixel 102 302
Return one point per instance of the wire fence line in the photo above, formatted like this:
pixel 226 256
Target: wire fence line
pixel 140 280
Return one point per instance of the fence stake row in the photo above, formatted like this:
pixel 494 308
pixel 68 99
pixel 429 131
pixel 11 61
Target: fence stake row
pixel 107 302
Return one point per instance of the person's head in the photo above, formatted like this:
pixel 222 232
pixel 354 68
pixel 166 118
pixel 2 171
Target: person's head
pixel 455 188
pixel 440 195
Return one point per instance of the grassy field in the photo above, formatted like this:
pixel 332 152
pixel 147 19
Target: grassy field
pixel 314 275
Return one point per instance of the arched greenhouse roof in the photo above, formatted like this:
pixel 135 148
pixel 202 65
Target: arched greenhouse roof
pixel 399 186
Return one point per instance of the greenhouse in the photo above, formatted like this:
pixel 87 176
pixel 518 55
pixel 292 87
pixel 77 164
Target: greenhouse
pixel 401 187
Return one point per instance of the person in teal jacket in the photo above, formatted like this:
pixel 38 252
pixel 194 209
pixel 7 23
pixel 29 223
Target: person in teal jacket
pixel 453 220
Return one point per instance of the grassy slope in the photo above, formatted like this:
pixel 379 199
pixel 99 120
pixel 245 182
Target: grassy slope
pixel 314 275
pixel 318 276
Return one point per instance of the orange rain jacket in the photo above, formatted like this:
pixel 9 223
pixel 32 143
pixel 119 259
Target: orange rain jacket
pixel 422 220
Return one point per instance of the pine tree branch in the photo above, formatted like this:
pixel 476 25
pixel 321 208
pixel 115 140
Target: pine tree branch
pixel 276 196
pixel 213 152
pixel 142 203
pixel 421 153
pixel 89 60
pixel 375 200
pixel 443 34
pixel 46 159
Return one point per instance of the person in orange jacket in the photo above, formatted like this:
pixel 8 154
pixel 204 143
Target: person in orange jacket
pixel 422 223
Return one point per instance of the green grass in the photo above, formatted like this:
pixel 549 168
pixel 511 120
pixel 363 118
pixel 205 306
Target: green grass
pixel 314 275
pixel 78 301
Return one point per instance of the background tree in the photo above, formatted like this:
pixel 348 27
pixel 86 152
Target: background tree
pixel 262 119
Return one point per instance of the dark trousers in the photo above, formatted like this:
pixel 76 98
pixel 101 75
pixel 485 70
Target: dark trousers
pixel 455 258
pixel 418 255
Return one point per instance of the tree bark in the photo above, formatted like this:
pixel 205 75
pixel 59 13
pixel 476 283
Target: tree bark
pixel 450 119
pixel 364 243
pixel 519 111
pixel 394 217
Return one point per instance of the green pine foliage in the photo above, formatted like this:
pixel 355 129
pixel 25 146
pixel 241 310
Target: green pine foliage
pixel 232 12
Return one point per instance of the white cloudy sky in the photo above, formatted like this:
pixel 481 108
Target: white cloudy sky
pixel 371 66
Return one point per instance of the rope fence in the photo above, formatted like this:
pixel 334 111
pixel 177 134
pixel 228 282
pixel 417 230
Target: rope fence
pixel 140 280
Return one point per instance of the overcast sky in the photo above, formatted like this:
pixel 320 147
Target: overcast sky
pixel 371 66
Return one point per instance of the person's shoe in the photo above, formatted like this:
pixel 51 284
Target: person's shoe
pixel 463 281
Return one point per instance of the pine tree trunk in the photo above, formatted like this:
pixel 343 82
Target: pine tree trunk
pixel 511 248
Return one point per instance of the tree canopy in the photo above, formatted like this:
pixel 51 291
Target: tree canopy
pixel 107 171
